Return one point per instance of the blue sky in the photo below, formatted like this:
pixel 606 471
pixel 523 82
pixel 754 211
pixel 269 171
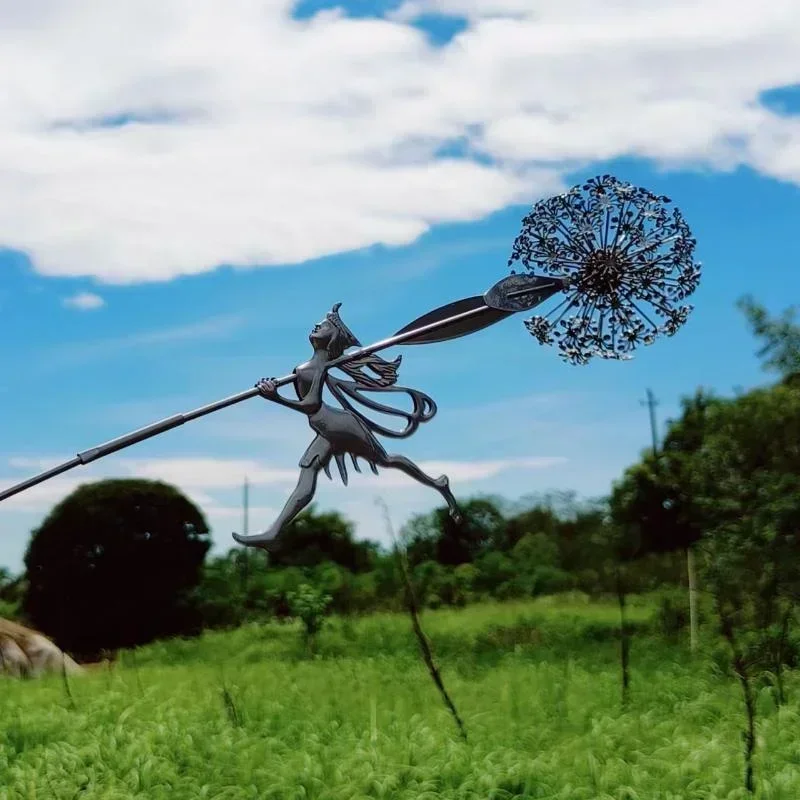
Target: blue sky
pixel 117 313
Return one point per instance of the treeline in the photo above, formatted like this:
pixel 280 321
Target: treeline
pixel 500 551
pixel 121 562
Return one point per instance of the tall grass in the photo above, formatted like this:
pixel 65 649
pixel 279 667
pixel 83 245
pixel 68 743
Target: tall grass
pixel 537 683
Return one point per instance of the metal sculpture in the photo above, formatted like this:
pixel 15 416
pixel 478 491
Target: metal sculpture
pixel 625 259
pixel 608 246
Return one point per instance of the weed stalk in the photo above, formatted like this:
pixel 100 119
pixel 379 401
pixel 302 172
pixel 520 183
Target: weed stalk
pixel 422 639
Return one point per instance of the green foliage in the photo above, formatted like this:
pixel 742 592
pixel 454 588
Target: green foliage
pixel 544 717
pixel 313 538
pixel 114 565
pixel 673 612
pixel 310 606
pixel 653 505
pixel 435 536
pixel 780 338
pixel 12 592
pixel 746 481
pixel 729 479
pixel 547 545
pixel 10 610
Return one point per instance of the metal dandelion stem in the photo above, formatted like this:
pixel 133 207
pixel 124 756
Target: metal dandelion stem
pixel 627 261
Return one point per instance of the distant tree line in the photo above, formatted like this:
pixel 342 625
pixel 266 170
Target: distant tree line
pixel 122 562
pixel 542 546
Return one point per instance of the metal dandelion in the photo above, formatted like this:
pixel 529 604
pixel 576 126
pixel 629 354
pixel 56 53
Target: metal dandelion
pixel 627 263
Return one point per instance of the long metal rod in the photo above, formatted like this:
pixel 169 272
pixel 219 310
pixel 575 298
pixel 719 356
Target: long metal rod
pixel 164 425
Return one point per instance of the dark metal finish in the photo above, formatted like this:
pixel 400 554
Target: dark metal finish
pixel 508 296
pixel 120 443
pixel 455 319
pixel 613 249
pixel 349 430
pixel 522 292
pixel 627 262
pixel 483 317
pixel 41 477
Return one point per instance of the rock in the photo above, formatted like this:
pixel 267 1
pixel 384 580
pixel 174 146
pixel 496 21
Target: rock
pixel 25 653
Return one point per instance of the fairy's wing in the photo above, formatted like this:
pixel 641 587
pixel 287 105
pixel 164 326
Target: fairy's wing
pixel 348 392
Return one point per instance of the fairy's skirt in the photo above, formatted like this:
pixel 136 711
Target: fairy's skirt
pixel 340 432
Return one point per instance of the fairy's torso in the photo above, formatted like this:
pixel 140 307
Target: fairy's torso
pixel 327 418
pixel 305 374
pixel 345 431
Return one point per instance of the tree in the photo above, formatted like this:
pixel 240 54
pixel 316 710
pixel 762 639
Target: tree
pixel 435 536
pixel 313 538
pixel 113 565
pixel 730 470
pixel 310 606
pixel 539 519
pixel 780 338
pixel 746 481
pixel 651 503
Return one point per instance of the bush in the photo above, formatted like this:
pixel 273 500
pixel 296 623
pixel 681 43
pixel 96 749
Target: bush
pixel 672 616
pixel 115 564
pixel 310 605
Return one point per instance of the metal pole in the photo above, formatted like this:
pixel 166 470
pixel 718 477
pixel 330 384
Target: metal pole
pixel 246 525
pixel 691 573
pixel 246 520
pixel 164 425
pixel 651 404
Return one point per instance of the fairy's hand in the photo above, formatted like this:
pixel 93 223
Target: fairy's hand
pixel 267 387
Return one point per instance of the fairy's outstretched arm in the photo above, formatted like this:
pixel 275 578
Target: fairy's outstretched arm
pixel 309 404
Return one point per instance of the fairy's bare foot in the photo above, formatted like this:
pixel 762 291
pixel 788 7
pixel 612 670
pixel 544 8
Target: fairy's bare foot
pixel 443 483
pixel 265 540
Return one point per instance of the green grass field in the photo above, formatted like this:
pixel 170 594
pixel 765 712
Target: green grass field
pixel 248 714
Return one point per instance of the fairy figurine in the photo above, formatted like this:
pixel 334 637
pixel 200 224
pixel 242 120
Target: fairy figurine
pixel 346 430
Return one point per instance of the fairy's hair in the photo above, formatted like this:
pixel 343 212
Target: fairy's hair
pixel 385 372
pixel 343 337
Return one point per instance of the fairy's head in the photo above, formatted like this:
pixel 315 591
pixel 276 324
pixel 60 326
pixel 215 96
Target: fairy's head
pixel 332 334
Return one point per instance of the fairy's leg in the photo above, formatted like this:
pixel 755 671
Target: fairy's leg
pixel 301 496
pixel 441 484
pixel 316 457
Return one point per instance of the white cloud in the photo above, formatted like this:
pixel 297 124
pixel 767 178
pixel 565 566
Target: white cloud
pixel 200 478
pixel 230 513
pixel 40 498
pixel 464 472
pixel 208 473
pixel 84 301
pixel 285 140
pixel 75 353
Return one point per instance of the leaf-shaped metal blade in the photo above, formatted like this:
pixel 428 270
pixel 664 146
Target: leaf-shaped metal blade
pixel 522 292
pixel 461 326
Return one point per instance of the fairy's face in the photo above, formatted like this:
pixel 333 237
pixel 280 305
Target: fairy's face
pixel 321 334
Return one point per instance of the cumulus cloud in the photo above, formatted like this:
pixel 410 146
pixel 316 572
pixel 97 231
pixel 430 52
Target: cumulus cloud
pixel 202 477
pixel 144 140
pixel 72 354
pixel 84 301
